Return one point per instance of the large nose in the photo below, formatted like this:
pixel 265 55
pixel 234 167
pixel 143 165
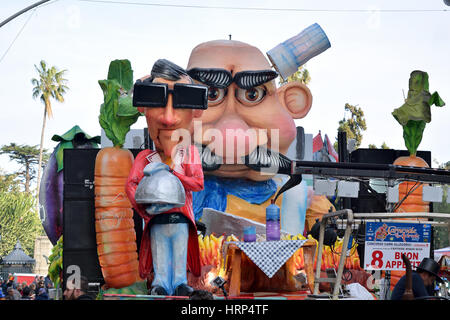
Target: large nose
pixel 237 137
pixel 169 117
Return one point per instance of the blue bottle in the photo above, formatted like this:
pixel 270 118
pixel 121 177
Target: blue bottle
pixel 272 222
pixel 250 234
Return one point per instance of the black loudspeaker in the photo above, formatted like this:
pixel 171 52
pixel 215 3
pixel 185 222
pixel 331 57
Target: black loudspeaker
pixel 79 173
pixel 85 261
pixel 384 156
pixel 79 225
pixel 80 248
pixel 368 201
pixel 79 245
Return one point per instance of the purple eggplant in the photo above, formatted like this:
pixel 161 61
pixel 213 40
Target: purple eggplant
pixel 51 200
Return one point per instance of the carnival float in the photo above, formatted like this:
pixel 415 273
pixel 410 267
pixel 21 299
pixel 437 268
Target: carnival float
pixel 234 204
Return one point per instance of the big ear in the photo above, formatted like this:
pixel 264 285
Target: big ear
pixel 295 98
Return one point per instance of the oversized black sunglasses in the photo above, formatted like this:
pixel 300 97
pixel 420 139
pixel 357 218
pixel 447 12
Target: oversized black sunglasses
pixel 187 96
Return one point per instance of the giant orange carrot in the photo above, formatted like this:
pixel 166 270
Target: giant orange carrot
pixel 413 115
pixel 114 224
pixel 411 190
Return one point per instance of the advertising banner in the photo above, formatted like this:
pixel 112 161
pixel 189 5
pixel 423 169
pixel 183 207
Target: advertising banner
pixel 386 241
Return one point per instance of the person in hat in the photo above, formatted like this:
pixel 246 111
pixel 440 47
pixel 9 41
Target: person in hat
pixel 169 242
pixel 424 276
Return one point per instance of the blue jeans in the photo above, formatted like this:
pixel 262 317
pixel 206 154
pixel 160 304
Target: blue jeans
pixel 169 244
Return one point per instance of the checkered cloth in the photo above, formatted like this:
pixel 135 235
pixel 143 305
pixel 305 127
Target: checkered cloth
pixel 269 256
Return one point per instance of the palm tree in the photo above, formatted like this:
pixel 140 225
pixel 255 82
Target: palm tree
pixel 50 84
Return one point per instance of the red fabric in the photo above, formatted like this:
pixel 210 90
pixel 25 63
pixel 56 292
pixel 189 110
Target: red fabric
pixel 331 150
pixel 192 180
pixel 317 143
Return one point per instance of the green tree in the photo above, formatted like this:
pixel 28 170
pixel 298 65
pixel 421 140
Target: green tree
pixel 445 165
pixel 383 146
pixel 354 125
pixel 26 156
pixel 50 84
pixel 302 75
pixel 19 221
pixel 8 182
pixel 442 233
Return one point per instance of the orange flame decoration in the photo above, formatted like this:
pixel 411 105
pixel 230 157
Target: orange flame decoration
pixel 211 253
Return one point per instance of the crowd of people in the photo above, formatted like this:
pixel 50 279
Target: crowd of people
pixel 37 290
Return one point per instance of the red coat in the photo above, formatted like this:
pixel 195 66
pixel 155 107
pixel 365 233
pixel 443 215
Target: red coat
pixel 192 180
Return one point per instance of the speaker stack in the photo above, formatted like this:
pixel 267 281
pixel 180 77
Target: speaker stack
pixel 79 245
pixel 368 201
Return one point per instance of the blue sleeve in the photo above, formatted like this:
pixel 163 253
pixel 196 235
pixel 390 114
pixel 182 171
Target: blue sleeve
pixel 399 289
pixel 419 289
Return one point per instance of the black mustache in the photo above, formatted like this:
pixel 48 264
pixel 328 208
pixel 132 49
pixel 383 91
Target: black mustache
pixel 258 159
pixel 261 158
pixel 210 161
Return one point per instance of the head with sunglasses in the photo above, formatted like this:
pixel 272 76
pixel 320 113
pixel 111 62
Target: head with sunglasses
pixel 170 100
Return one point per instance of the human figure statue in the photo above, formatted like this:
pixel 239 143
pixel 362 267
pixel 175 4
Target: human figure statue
pixel 170 101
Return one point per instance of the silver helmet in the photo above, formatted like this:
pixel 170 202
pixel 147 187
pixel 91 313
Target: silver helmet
pixel 159 190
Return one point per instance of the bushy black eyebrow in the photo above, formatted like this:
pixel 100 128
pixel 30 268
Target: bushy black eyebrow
pixel 251 79
pixel 212 77
pixel 222 78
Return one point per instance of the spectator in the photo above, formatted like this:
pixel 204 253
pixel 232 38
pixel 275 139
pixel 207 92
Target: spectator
pixel 11 281
pixel 42 295
pixel 73 293
pixel 40 285
pixel 2 286
pixel 26 294
pixel 48 283
pixel 19 288
pixel 33 288
pixel 13 294
pixel 424 276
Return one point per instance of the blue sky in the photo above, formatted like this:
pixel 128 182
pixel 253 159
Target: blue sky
pixel 371 56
